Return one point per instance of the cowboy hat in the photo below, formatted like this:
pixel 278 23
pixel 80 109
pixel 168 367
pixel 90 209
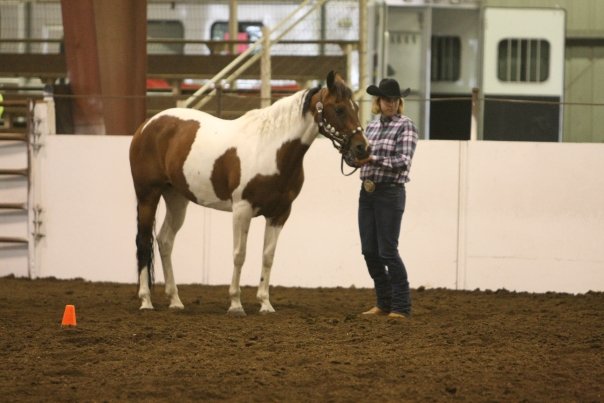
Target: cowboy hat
pixel 388 89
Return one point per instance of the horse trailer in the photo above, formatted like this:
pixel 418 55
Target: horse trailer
pixel 514 56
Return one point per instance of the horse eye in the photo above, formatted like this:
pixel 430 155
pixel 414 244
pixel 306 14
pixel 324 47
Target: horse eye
pixel 339 110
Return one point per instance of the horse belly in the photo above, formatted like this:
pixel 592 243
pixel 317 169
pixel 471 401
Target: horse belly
pixel 210 173
pixel 222 205
pixel 200 185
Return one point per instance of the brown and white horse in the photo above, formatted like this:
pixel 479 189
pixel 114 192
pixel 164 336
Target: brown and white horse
pixel 251 166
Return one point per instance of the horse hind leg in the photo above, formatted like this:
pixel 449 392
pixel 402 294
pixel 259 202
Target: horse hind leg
pixel 146 208
pixel 176 209
pixel 271 236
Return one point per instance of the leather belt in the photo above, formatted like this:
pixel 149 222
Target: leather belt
pixel 370 186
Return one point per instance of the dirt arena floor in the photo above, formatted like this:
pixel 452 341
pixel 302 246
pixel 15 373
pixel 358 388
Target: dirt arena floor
pixel 466 346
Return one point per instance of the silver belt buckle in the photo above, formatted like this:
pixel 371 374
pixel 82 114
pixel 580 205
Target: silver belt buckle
pixel 368 185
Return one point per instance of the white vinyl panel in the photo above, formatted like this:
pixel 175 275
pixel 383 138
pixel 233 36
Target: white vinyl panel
pixel 534 218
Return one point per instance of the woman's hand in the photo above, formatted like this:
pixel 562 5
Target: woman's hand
pixel 360 163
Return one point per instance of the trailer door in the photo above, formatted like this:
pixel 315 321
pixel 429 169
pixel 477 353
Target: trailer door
pixel 453 71
pixel 404 55
pixel 523 73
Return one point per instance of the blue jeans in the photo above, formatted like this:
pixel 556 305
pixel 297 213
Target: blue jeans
pixel 380 216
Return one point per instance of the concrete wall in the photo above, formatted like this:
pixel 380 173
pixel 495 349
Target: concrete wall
pixel 489 215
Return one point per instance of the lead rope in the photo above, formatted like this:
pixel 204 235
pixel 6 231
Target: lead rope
pixel 342 167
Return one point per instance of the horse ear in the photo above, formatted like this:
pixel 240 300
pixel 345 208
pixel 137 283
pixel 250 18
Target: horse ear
pixel 331 79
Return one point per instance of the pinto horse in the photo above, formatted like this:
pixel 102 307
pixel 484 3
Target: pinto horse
pixel 251 166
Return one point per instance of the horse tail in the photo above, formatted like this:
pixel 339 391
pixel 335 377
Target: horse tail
pixel 144 246
pixel 147 199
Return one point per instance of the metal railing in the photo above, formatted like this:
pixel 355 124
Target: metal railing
pixel 11 134
pixel 241 64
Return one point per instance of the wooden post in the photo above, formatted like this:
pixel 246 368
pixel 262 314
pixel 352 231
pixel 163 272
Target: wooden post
pixel 218 100
pixel 265 69
pixel 365 113
pixel 233 26
pixel 475 114
pixel 121 29
pixel 348 52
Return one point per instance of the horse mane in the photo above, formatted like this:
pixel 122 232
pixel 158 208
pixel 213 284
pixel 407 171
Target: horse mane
pixel 275 114
pixel 278 116
pixel 308 97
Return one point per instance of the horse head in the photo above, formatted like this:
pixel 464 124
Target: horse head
pixel 337 115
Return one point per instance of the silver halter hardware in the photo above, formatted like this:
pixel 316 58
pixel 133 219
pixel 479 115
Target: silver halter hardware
pixel 338 140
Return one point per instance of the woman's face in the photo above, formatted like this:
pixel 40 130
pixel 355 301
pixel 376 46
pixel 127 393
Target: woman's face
pixel 389 106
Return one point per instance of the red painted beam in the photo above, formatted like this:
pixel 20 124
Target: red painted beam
pixel 121 31
pixel 82 65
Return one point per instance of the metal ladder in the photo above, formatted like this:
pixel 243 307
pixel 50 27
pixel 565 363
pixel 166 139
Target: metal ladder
pixel 12 136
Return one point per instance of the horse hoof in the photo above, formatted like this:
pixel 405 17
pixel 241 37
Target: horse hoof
pixel 236 312
pixel 146 307
pixel 175 303
pixel 266 311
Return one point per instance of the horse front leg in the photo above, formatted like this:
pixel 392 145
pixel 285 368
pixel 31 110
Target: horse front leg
pixel 242 217
pixel 271 235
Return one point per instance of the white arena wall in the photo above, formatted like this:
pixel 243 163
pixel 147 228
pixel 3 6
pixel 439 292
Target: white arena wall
pixel 488 215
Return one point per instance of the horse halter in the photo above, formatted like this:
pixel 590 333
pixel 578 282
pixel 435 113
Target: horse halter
pixel 340 141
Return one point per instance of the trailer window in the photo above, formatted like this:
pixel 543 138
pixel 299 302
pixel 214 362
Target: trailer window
pixel 446 58
pixel 165 29
pixel 248 30
pixel 523 60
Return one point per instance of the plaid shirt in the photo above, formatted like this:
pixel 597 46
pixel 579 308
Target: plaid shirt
pixel 392 143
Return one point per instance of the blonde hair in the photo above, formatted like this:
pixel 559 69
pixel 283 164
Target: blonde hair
pixel 375 106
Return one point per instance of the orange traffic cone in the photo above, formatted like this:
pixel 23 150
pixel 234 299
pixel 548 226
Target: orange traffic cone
pixel 69 316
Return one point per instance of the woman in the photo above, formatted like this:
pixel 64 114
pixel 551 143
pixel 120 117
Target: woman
pixel 393 138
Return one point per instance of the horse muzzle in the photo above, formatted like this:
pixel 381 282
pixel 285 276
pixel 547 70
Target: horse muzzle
pixel 362 151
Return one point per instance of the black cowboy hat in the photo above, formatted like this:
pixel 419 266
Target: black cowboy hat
pixel 388 89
